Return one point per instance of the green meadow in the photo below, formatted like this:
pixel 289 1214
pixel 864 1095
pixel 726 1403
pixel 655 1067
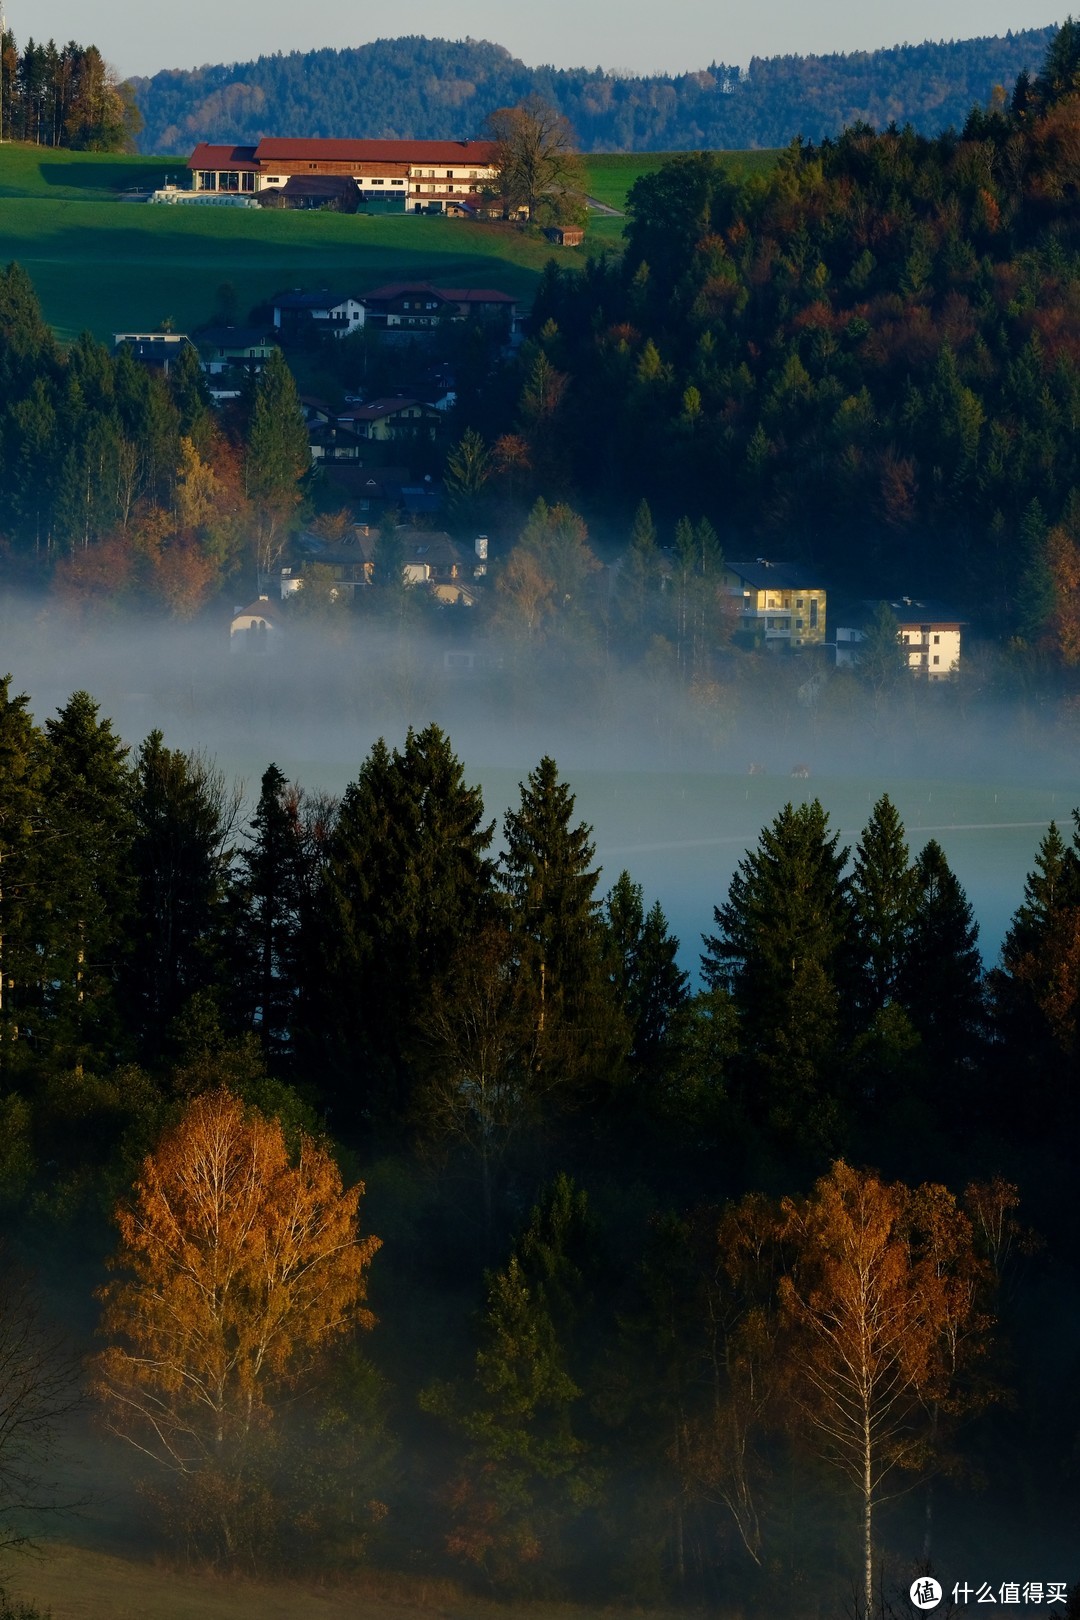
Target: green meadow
pixel 103 264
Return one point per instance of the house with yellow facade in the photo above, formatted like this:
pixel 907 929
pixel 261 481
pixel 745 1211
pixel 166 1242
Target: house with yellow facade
pixel 780 604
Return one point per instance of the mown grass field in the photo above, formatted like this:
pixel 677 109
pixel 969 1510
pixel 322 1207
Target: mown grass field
pixel 101 264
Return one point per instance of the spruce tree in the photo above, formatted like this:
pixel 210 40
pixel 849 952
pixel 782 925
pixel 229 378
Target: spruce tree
pixel 639 576
pixel 23 782
pixel 407 882
pixel 781 948
pixel 527 1478
pixel 942 979
pixel 184 817
pixel 88 878
pixel 1036 595
pixel 550 887
pixel 650 985
pixel 884 900
pixel 277 879
pixel 1036 990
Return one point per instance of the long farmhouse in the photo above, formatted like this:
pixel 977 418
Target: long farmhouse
pixel 423 177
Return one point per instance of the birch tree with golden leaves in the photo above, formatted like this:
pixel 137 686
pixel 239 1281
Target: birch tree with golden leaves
pixel 239 1263
pixel 882 1316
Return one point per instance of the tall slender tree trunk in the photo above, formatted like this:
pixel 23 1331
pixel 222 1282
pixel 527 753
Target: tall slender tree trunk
pixel 868 1509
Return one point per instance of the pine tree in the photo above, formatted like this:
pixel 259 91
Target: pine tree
pixel 651 987
pixel 942 979
pixel 1036 596
pixel 781 949
pixel 22 788
pixel 187 385
pixel 550 887
pixel 1036 991
pixel 407 883
pixel 89 878
pixel 639 575
pixel 527 1477
pixel 278 878
pixel 884 900
pixel 184 818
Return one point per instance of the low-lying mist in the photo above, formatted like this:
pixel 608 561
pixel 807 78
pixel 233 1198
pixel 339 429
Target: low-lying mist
pixel 662 769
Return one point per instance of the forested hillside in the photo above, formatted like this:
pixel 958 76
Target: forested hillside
pixel 867 359
pixel 626 1269
pixel 436 88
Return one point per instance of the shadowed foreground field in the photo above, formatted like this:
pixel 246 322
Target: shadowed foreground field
pixel 80 1585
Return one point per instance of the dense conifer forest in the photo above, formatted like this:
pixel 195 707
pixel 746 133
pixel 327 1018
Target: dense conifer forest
pixel 668 1285
pixel 444 89
pixel 408 1201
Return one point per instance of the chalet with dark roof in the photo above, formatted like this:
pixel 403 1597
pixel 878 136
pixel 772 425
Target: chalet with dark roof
pixel 421 306
pixel 324 313
pixel 233 348
pixel 395 418
pixel 158 351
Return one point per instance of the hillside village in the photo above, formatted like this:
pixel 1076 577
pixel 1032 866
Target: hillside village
pixel 363 450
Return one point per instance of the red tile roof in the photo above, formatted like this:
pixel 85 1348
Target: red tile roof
pixel 448 153
pixel 222 157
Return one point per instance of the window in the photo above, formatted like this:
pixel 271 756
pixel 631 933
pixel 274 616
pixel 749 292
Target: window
pixel 247 181
pixel 449 174
pixel 206 179
pixel 937 660
pixel 378 182
pixel 397 182
pixel 472 174
pixel 813 613
pixel 449 188
pixel 799 603
pixel 228 180
pixel 937 643
pixel 798 624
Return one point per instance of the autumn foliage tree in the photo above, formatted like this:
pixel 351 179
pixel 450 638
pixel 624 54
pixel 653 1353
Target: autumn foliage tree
pixel 882 1290
pixel 239 1263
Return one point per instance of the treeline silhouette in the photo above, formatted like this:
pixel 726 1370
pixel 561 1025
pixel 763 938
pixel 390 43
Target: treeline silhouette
pixel 619 1217
pixel 444 89
pixel 64 96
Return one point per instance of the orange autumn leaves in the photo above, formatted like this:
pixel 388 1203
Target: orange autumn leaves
pixel 177 555
pixel 239 1263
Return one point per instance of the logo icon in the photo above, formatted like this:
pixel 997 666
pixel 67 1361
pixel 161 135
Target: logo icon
pixel 925 1592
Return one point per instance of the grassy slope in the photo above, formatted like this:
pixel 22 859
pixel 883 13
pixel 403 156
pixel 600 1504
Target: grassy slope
pixel 77 1584
pixel 102 265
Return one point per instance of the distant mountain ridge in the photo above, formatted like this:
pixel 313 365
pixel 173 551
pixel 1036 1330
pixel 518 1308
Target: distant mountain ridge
pixel 419 88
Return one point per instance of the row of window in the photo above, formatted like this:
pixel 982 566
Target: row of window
pixel 226 180
pixel 244 180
